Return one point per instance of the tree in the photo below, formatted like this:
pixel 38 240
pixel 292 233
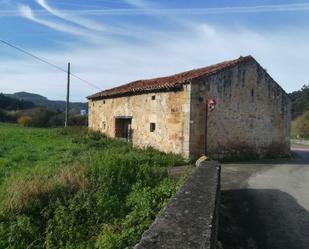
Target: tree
pixel 300 101
pixel 8 103
pixel 300 126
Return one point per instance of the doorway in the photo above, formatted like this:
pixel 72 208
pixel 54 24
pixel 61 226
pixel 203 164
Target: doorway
pixel 123 128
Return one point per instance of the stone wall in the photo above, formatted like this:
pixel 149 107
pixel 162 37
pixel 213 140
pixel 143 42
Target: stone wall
pixel 190 220
pixel 170 112
pixel 252 115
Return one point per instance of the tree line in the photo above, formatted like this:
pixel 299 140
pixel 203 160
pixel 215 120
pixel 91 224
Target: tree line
pixel 12 104
pixel 29 114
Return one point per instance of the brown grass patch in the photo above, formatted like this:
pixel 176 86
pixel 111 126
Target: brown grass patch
pixel 40 190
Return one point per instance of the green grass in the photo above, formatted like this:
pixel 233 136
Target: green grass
pixel 70 188
pixel 25 150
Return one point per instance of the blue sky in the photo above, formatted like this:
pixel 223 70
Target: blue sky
pixel 111 42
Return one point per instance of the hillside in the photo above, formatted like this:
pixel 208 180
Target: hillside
pixel 10 103
pixel 53 105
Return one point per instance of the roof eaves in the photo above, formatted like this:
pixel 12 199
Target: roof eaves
pixel 136 91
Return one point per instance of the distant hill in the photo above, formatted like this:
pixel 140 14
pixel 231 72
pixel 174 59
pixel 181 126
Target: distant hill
pixel 10 103
pixel 53 105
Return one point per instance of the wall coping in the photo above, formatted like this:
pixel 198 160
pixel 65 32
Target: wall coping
pixel 189 221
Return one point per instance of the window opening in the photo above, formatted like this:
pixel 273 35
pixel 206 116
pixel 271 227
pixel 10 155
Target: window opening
pixel 152 127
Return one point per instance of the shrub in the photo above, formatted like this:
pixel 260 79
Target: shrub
pixel 110 238
pixel 6 116
pixel 19 232
pixel 78 120
pixel 144 203
pixel 300 126
pixel 24 120
pixel 74 120
pixel 56 120
pixel 40 116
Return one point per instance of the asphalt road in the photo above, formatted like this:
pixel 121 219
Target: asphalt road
pixel 265 204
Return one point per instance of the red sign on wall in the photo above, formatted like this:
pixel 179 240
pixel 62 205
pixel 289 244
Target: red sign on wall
pixel 211 103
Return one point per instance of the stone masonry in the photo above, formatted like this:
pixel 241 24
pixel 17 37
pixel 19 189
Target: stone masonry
pixel 190 219
pixel 252 114
pixel 169 111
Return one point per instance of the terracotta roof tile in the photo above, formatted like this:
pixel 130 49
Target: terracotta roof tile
pixel 172 82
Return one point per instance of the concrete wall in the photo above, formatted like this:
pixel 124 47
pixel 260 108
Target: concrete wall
pixel 252 113
pixel 170 111
pixel 190 220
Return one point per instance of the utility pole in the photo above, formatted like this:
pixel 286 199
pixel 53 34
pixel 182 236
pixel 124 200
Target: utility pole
pixel 67 106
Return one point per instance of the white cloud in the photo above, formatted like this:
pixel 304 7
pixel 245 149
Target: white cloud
pixel 72 18
pixel 82 30
pixel 149 8
pixel 285 52
pixel 27 12
pixel 140 3
pixel 284 55
pixel 89 37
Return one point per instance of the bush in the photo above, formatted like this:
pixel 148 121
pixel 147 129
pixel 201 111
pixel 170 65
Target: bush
pixel 74 120
pixel 40 116
pixel 300 126
pixel 78 120
pixel 144 203
pixel 24 120
pixel 6 117
pixel 56 120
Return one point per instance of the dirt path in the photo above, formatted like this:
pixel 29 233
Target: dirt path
pixel 266 205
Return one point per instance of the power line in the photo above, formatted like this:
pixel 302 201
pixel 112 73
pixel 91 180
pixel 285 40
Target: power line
pixel 48 63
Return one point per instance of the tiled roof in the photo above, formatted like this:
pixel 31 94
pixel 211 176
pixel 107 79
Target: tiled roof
pixel 166 83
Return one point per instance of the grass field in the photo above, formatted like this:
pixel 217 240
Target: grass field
pixel 26 150
pixel 70 188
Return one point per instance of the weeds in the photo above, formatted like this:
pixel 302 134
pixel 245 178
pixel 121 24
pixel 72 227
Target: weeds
pixel 70 188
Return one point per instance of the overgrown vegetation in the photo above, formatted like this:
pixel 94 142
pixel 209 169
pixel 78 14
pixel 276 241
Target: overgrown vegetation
pixel 77 189
pixel 300 113
pixel 300 126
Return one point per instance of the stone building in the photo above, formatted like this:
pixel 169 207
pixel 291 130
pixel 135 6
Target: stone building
pixel 171 114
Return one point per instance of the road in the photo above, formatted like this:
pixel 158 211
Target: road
pixel 265 204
